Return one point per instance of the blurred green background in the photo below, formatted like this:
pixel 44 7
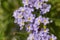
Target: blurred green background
pixel 10 31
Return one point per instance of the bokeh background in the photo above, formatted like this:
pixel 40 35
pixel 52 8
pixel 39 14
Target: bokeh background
pixel 10 31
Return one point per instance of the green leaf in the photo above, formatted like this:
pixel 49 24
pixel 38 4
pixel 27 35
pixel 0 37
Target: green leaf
pixel 57 22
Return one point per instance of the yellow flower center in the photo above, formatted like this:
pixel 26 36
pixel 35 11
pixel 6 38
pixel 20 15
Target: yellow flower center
pixel 38 21
pixel 28 27
pixel 44 20
pixel 51 38
pixel 29 18
pixel 44 28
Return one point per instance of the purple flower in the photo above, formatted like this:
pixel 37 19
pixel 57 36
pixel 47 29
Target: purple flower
pixel 43 32
pixel 26 9
pixel 45 38
pixel 17 14
pixel 52 37
pixel 22 11
pixel 29 3
pixel 35 28
pixel 45 8
pixel 41 35
pixel 38 4
pixel 31 37
pixel 29 18
pixel 38 20
pixel 25 2
pixel 36 37
pixel 21 22
pixel 45 20
pixel 29 27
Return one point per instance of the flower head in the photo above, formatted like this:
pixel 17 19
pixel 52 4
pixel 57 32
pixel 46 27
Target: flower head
pixel 45 20
pixel 35 28
pixel 21 22
pixel 17 14
pixel 41 35
pixel 25 2
pixel 31 37
pixel 29 27
pixel 38 4
pixel 45 8
pixel 38 20
pixel 29 18
pixel 52 37
pixel 29 2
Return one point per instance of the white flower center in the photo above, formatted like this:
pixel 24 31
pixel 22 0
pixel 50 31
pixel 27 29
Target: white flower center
pixel 26 1
pixel 20 16
pixel 22 10
pixel 22 23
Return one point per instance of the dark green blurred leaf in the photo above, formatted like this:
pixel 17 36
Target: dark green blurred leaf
pixel 57 22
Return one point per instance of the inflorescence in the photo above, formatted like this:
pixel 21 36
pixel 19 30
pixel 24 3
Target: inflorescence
pixel 24 17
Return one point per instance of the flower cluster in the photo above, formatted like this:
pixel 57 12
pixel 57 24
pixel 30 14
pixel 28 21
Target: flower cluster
pixel 38 4
pixel 25 17
pixel 43 34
